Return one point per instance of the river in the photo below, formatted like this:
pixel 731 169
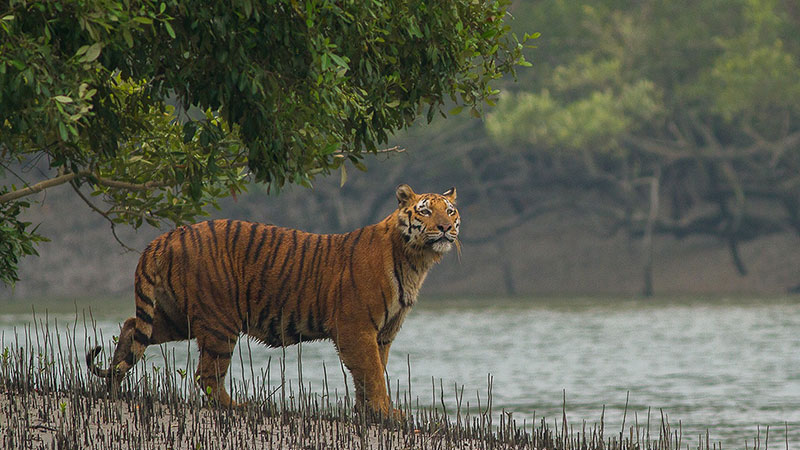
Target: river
pixel 729 366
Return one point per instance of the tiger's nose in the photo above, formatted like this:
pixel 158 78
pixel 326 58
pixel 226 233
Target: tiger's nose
pixel 444 227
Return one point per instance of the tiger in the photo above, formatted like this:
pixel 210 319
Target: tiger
pixel 216 280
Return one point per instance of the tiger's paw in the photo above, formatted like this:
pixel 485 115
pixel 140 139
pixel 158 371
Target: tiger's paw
pixel 238 405
pixel 389 416
pixel 398 415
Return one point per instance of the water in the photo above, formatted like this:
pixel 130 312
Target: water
pixel 726 366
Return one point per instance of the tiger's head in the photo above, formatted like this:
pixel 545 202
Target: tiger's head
pixel 428 221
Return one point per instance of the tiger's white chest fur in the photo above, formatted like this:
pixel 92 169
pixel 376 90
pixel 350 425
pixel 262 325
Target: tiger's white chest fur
pixel 406 282
pixel 405 287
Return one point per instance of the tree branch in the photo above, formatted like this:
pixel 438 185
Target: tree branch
pixel 520 219
pixel 69 177
pixel 107 182
pixel 39 187
pixel 105 215
pixel 713 150
pixel 130 186
pixel 395 149
pixel 8 169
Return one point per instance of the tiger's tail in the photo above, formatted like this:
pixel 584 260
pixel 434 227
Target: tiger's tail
pixel 136 332
pixel 145 311
pixel 90 356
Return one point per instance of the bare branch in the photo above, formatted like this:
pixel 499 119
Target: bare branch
pixel 8 169
pixel 708 135
pixel 679 135
pixel 665 149
pixel 713 152
pixel 753 134
pixel 519 220
pixel 69 177
pixel 395 149
pixel 131 186
pixel 105 215
pixel 39 187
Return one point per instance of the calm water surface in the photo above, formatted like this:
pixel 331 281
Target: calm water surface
pixel 728 366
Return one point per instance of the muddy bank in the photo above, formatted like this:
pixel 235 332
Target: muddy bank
pixel 47 400
pixel 78 420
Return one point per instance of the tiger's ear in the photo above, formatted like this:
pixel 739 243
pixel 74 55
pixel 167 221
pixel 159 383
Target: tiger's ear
pixel 404 194
pixel 450 194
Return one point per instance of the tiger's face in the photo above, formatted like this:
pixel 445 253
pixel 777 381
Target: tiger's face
pixel 428 221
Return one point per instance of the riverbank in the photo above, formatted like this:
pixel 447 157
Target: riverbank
pixel 48 400
pixel 62 420
pixel 34 419
pixel 47 406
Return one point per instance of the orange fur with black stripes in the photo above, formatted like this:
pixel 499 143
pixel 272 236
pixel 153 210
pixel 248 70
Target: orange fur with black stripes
pixel 215 280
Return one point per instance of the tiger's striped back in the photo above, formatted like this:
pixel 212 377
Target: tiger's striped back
pixel 276 284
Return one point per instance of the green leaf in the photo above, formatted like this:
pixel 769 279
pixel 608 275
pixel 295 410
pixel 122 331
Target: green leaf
pixel 92 53
pixel 330 148
pixel 170 31
pixel 413 30
pixel 248 8
pixel 324 61
pixel 189 130
pixel 62 131
pixel 338 60
pixel 126 35
pixel 343 176
pixel 62 99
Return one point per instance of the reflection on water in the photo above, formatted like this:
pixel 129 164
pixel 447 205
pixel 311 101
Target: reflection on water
pixel 725 366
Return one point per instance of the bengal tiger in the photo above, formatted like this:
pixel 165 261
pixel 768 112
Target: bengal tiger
pixel 215 280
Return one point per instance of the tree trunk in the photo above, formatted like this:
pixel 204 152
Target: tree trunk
pixel 647 243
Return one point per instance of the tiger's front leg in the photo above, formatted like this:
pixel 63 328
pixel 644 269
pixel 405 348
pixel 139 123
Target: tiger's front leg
pixel 359 353
pixel 383 350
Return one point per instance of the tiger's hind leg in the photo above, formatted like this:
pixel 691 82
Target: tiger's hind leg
pixel 169 324
pixel 137 331
pixel 216 350
pixel 165 328
pixel 122 353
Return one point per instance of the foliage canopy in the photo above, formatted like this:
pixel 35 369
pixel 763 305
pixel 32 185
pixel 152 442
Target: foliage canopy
pixel 686 116
pixel 285 89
